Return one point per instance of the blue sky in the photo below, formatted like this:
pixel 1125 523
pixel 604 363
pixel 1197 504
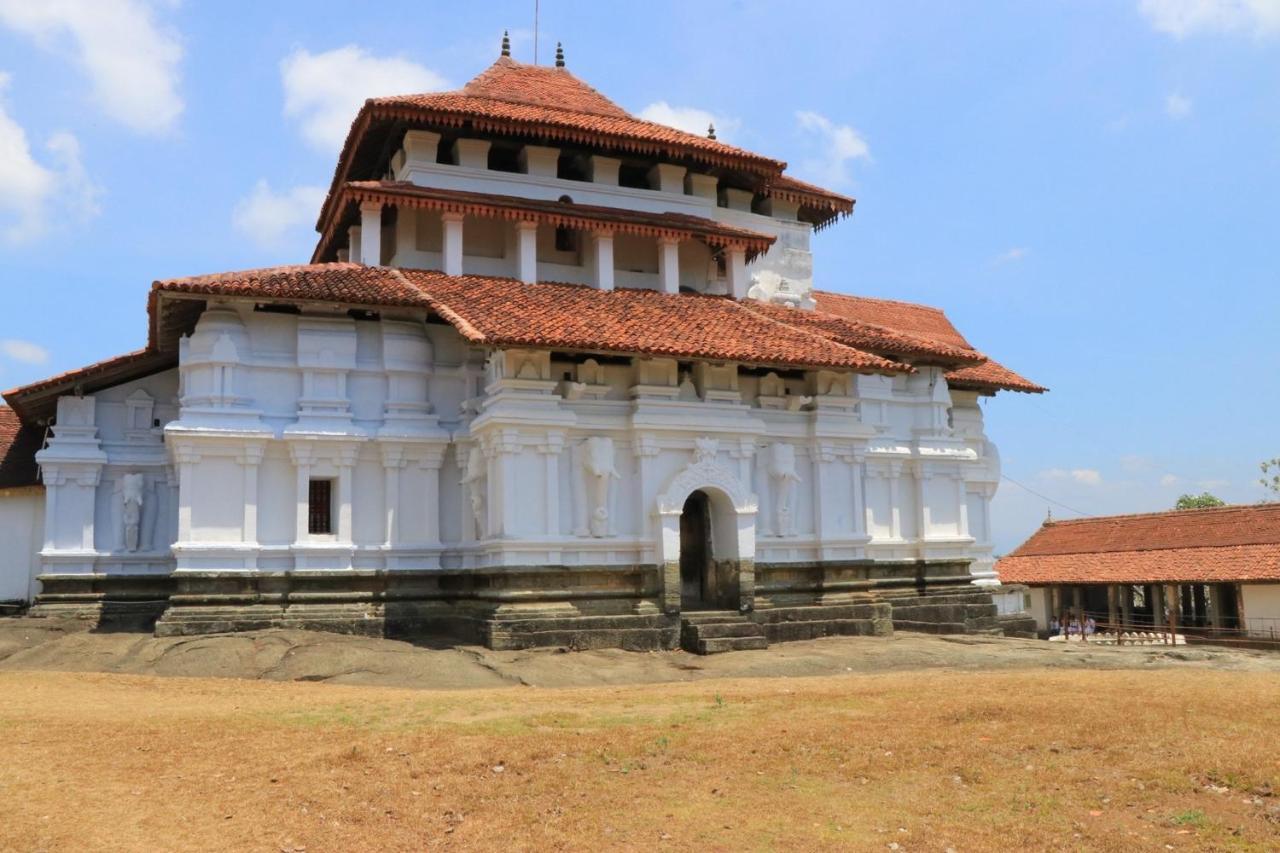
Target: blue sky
pixel 1087 186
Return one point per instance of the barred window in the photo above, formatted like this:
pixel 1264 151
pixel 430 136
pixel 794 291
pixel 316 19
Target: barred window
pixel 320 510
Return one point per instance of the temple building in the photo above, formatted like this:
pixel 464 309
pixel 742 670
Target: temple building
pixel 554 375
pixel 1212 574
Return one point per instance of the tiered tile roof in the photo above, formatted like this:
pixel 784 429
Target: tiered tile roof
pixel 551 104
pixel 1227 544
pixel 931 324
pixel 505 312
pixel 496 311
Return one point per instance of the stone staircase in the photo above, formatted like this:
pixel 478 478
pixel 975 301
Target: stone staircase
pixel 708 632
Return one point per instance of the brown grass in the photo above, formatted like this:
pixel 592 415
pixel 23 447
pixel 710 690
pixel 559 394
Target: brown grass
pixel 926 761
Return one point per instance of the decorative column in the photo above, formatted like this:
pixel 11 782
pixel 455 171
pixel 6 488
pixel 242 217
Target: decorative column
pixel 669 264
pixel 186 460
pixel 895 502
pixel 962 509
pixel 353 244
pixel 451 242
pixel 346 463
pixel 166 535
pixel 646 450
pixel 736 270
pixel 302 495
pixel 371 233
pixel 855 461
pixel 392 462
pixel 551 448
pixel 431 462
pixel 924 514
pixel 527 252
pixel 602 259
pixel 250 459
pixel 819 454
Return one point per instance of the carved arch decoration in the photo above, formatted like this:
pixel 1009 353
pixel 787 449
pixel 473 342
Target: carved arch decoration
pixel 706 474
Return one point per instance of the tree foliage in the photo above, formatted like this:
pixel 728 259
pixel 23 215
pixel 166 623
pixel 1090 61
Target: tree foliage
pixel 1204 500
pixel 1270 479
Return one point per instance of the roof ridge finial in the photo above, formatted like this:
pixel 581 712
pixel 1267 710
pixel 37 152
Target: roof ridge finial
pixel 711 130
pixel 506 43
pixel 559 55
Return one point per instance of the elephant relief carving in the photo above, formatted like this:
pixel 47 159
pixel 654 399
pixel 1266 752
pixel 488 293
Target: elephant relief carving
pixel 473 480
pixel 598 466
pixel 781 467
pixel 131 489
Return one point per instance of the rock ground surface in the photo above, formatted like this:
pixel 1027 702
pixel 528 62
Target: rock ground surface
pixel 288 655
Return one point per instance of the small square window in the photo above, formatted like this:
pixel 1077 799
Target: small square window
pixel 320 507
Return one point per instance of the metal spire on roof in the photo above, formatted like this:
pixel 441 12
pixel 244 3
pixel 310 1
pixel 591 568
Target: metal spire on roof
pixel 559 56
pixel 711 131
pixel 506 43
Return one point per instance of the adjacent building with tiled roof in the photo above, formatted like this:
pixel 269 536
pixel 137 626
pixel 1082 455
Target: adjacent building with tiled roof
pixel 555 374
pixel 1213 568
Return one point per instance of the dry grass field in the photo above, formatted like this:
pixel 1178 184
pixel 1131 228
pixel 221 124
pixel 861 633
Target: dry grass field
pixel 1115 760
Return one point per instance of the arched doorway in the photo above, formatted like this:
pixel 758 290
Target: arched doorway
pixel 696 573
pixel 706 540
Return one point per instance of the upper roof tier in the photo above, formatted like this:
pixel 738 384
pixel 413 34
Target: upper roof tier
pixel 540 104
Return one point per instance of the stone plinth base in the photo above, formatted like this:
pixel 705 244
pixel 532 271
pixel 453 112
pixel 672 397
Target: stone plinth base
pixel 124 602
pixel 934 597
pixel 579 607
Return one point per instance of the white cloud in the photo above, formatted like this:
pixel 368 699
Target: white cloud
pixel 1176 106
pixel 1083 476
pixel 1017 253
pixel 266 216
pixel 690 119
pixel 30 191
pixel 131 61
pixel 324 91
pixel 1183 18
pixel 835 147
pixel 1170 480
pixel 24 351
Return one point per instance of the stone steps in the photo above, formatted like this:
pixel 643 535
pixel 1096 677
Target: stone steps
pixel 712 632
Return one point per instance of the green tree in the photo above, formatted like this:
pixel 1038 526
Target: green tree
pixel 1204 500
pixel 1270 479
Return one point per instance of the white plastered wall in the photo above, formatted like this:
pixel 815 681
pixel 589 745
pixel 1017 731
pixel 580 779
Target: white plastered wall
pixel 22 523
pixel 1261 608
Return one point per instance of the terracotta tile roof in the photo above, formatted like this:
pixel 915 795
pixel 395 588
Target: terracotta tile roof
pixel 1228 544
pixel 869 337
pixel 819 206
pixel 553 105
pixel 343 283
pixel 923 321
pixel 991 376
pixel 38 399
pixel 505 312
pixel 18 447
pixel 556 104
pixel 908 317
pixel 555 213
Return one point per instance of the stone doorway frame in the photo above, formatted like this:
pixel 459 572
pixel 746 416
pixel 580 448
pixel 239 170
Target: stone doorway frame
pixel 732 507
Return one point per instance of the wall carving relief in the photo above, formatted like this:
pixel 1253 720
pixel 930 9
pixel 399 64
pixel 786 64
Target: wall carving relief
pixel 702 473
pixel 780 463
pixel 596 461
pixel 131 486
pixel 474 479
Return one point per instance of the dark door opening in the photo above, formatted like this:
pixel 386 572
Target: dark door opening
pixel 695 554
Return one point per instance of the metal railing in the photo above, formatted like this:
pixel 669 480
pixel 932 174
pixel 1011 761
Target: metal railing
pixel 1141 629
